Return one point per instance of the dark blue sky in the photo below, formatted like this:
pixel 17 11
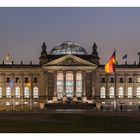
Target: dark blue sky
pixel 22 31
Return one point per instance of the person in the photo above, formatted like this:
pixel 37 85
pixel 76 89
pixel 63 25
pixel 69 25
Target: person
pixel 139 107
pixel 121 107
pixel 102 108
pixel 45 106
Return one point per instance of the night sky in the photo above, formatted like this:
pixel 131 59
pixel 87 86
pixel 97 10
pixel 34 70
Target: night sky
pixel 23 30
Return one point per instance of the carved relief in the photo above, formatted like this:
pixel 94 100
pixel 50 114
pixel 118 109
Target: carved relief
pixel 70 62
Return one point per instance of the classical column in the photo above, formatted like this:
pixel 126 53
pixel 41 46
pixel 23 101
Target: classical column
pixel 4 89
pixel 116 85
pixel 74 83
pixel 46 83
pixel 13 91
pixel 3 86
pixel 107 88
pixel 55 87
pixel 83 84
pixel 93 84
pixel 31 91
pixel 55 84
pixel 64 83
pixel 134 85
pixel 125 86
pixel 22 91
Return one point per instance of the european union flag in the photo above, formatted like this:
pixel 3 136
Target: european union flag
pixel 11 83
pixel 125 56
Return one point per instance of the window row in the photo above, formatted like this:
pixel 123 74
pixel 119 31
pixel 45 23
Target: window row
pixel 120 80
pixel 120 92
pixel 19 80
pixel 18 92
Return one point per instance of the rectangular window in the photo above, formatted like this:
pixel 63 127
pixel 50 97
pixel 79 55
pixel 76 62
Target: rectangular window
pixel 35 79
pixel 17 80
pixel 26 80
pixel 138 80
pixel 112 80
pixel 103 80
pixel 7 80
pixel 121 80
pixel 130 80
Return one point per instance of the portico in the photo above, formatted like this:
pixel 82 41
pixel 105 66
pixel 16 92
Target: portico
pixel 69 79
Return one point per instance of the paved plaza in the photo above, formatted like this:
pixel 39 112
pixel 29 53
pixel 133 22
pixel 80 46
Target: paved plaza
pixel 68 121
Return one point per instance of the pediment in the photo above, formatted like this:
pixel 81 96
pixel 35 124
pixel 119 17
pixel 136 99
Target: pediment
pixel 69 60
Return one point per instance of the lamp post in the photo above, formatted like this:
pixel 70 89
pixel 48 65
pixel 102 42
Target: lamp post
pixel 139 57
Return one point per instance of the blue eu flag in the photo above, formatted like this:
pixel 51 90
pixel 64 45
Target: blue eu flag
pixel 125 56
pixel 11 83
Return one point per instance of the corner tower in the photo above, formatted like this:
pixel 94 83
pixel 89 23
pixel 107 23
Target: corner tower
pixel 43 56
pixel 94 56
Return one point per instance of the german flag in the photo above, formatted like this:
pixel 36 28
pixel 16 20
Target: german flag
pixel 110 65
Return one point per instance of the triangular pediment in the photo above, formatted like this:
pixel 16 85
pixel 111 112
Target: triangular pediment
pixel 69 60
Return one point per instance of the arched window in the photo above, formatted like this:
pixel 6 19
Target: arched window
pixel 0 92
pixel 8 92
pixel 120 92
pixel 35 92
pixel 26 92
pixel 111 92
pixel 17 92
pixel 138 92
pixel 129 92
pixel 102 92
pixel 78 84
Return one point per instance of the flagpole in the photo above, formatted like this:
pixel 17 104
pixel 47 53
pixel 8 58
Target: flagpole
pixel 115 78
pixel 115 84
pixel 110 67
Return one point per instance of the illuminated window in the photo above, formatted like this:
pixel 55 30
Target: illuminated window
pixel 129 92
pixel 102 92
pixel 26 92
pixel 0 92
pixel 8 92
pixel 17 92
pixel 69 84
pixel 79 84
pixel 120 92
pixel 16 103
pixel 111 92
pixel 60 85
pixel 138 80
pixel 7 103
pixel 35 92
pixel 138 92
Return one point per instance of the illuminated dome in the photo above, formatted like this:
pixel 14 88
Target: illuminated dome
pixel 68 47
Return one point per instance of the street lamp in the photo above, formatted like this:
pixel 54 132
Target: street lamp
pixel 139 57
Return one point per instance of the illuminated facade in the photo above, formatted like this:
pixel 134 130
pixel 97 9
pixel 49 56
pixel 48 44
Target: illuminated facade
pixel 67 72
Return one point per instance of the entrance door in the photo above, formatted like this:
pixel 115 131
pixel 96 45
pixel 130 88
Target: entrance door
pixel 69 84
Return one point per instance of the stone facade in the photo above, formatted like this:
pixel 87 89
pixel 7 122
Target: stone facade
pixel 34 85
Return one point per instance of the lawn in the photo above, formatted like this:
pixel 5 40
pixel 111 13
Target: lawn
pixel 70 122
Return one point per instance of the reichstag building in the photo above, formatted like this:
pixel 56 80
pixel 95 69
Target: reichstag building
pixel 67 72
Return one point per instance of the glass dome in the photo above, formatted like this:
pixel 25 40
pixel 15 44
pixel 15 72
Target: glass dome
pixel 68 47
